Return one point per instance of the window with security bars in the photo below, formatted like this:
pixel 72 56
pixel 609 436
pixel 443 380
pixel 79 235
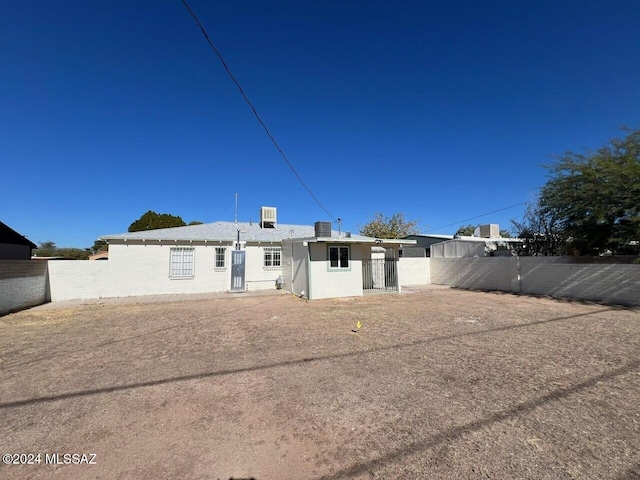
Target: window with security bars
pixel 181 263
pixel 272 256
pixel 221 254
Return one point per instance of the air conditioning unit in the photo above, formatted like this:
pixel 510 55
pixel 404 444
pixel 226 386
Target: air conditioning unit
pixel 268 218
pixel 322 229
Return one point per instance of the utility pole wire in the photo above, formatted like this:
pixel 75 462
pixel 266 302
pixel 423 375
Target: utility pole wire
pixel 255 113
pixel 477 216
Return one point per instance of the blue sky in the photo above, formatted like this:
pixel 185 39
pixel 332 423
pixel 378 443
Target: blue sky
pixel 440 110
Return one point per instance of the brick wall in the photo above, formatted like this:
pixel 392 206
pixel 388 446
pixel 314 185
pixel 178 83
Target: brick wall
pixel 23 284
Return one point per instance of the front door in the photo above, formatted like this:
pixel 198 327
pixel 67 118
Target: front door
pixel 237 270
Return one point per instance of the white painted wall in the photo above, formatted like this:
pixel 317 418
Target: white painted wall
pixel 257 276
pixel 300 274
pixel 144 270
pixel 588 281
pixel 287 265
pixel 414 271
pixel 326 283
pixel 479 273
pixel 23 284
pixel 78 279
pixel 553 276
pixel 295 256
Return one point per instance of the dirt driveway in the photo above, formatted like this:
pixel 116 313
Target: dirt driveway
pixel 436 384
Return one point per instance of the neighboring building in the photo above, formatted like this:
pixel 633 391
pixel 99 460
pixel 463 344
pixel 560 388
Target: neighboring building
pixel 14 246
pixel 426 240
pixel 101 255
pixel 486 241
pixel 229 256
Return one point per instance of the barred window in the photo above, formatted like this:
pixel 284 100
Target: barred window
pixel 181 263
pixel 221 255
pixel 272 256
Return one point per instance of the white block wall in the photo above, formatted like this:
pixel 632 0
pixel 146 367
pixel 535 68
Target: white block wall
pixel 23 284
pixel 144 270
pixel 78 279
pixel 553 276
pixel 414 270
pixel 476 273
pixel 257 276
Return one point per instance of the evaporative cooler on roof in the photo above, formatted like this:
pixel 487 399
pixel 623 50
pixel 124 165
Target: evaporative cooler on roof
pixel 268 217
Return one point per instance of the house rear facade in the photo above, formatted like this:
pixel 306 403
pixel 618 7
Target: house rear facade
pixel 198 258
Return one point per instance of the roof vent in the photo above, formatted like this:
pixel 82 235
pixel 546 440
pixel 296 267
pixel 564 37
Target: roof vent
pixel 323 229
pixel 268 217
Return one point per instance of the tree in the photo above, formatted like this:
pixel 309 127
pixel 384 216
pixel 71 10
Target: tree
pixel 99 246
pixel 395 226
pixel 73 253
pixel 466 230
pixel 541 232
pixel 195 222
pixel 152 221
pixel 595 197
pixel 46 249
pixel 505 233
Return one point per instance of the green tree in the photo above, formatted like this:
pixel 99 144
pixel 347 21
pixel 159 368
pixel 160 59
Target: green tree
pixel 505 233
pixel 195 222
pixel 73 253
pixel 595 197
pixel 396 226
pixel 99 246
pixel 466 230
pixel 46 249
pixel 153 221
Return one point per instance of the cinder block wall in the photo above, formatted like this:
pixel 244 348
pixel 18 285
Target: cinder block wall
pixel 586 281
pixel 78 279
pixel 476 273
pixel 553 276
pixel 414 270
pixel 23 284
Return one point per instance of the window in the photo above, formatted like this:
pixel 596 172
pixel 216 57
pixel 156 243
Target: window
pixel 181 263
pixel 221 255
pixel 272 257
pixel 339 257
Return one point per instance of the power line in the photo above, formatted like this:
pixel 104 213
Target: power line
pixel 255 113
pixel 477 216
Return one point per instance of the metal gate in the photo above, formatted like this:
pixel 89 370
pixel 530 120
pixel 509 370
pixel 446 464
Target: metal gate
pixel 237 270
pixel 380 274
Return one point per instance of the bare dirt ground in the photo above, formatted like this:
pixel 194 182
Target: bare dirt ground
pixel 437 384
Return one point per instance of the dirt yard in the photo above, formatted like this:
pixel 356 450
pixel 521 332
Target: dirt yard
pixel 437 384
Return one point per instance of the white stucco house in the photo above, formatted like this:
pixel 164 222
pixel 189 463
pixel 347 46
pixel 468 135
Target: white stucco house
pixel 230 256
pixel 329 267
